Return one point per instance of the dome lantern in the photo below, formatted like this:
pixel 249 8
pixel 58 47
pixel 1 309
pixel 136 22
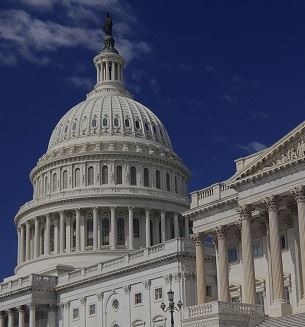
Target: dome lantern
pixel 109 66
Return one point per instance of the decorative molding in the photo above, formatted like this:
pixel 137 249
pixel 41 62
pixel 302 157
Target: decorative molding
pixel 298 193
pixel 127 289
pixel 197 239
pixel 147 284
pixel 83 301
pixel 271 202
pixel 177 276
pixel 168 278
pixel 220 232
pixel 244 211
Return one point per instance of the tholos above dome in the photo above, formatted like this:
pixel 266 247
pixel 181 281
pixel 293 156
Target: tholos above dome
pixel 108 117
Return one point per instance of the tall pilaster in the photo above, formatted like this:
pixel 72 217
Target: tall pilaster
pixel 299 195
pixel 147 227
pixel 77 232
pixel 163 227
pixel 200 269
pixel 130 228
pixel 249 291
pixel 20 316
pixel 67 314
pixel 62 232
pixel 95 228
pixel 279 306
pixel 82 317
pixel 113 229
pixel 223 273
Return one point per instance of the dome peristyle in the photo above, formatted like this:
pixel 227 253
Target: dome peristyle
pixel 106 117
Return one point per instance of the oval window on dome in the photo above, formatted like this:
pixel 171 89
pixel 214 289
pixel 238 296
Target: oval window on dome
pixel 127 123
pixel 105 122
pixel 93 122
pixel 116 122
pixel 138 126
pixel 146 127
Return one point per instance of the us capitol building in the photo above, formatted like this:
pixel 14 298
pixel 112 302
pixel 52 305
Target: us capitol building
pixel 107 233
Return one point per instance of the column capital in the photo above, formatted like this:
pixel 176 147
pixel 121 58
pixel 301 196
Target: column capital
pixel 66 305
pixel 147 211
pixel 9 311
pixel 77 210
pixel 147 284
pixel 130 209
pixel 20 309
pixel 100 296
pixel 112 208
pixel 32 306
pixel 244 211
pixel 95 209
pixel 271 202
pixel 197 239
pixel 298 193
pixel 83 300
pixel 127 289
pixel 220 232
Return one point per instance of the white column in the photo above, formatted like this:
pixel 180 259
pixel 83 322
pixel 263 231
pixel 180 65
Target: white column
pixel 62 232
pixel 113 229
pixel 130 228
pixel 32 318
pixel 200 270
pixel 19 245
pixel 22 234
pixel 187 227
pixel 223 281
pixel 68 234
pixel 10 314
pixel 107 71
pixel 77 232
pixel 47 235
pixel 249 290
pixel 112 72
pixel 66 314
pixel 176 224
pixel 51 316
pixel 95 229
pixel 163 227
pixel 27 242
pixel 147 227
pixel 83 311
pixel 20 316
pixel 36 238
pixel 56 236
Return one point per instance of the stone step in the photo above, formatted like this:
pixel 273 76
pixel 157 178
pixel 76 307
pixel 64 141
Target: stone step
pixel 295 320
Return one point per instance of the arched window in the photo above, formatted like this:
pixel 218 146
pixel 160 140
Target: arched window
pixel 121 231
pixel 54 182
pixel 104 175
pixel 119 175
pixel 46 185
pixel 146 177
pixel 90 176
pixel 138 125
pixel 133 176
pixel 136 227
pixel 93 122
pixel 89 232
pixel 105 231
pixel 127 123
pixel 168 186
pixel 158 179
pixel 105 122
pixel 52 238
pixel 65 180
pixel 116 122
pixel 77 177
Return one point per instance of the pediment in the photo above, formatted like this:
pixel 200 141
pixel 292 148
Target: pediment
pixel 289 149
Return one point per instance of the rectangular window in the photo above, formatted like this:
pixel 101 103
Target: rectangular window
pixel 138 298
pixel 209 290
pixel 158 293
pixel 75 314
pixel 233 253
pixel 257 247
pixel 91 309
pixel 283 240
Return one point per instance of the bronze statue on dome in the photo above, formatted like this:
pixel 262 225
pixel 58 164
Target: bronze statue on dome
pixel 107 28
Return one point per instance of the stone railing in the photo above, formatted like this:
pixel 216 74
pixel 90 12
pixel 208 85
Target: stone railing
pixel 217 308
pixel 212 193
pixel 137 257
pixel 105 190
pixel 33 280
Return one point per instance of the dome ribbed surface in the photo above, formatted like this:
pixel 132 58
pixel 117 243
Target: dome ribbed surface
pixel 108 115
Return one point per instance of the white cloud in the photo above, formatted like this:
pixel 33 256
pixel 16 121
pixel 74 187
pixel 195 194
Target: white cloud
pixel 84 83
pixel 253 147
pixel 26 35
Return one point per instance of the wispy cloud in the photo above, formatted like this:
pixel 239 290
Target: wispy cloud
pixel 28 35
pixel 252 147
pixel 229 99
pixel 259 114
pixel 154 85
pixel 84 83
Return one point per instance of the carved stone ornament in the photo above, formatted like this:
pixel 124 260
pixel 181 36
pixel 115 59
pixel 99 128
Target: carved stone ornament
pixel 83 300
pixel 177 276
pixel 220 232
pixel 127 289
pixel 244 211
pixel 67 305
pixel 147 284
pixel 168 278
pixel 271 202
pixel 293 153
pixel 197 238
pixel 298 193
pixel 100 296
pixel 32 306
pixel 20 309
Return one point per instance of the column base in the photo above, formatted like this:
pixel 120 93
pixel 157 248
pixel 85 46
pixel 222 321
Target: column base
pixel 301 305
pixel 279 309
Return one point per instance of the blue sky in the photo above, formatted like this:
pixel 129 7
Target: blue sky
pixel 225 77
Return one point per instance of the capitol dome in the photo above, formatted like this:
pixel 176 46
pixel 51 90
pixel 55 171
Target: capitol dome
pixel 109 183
